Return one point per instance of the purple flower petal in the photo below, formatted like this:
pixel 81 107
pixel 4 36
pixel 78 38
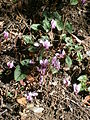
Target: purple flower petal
pixel 83 1
pixel 10 64
pixel 53 24
pixel 6 35
pixel 66 82
pixel 76 88
pixel 46 44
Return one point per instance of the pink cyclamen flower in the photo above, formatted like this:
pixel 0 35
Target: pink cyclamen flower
pixel 30 95
pixel 6 35
pixel 41 79
pixel 76 88
pixel 45 44
pixel 41 70
pixel 55 63
pixel 53 24
pixel 61 55
pixel 83 1
pixel 66 82
pixel 10 64
pixel 44 63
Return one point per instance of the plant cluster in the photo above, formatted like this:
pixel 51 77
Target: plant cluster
pixel 52 49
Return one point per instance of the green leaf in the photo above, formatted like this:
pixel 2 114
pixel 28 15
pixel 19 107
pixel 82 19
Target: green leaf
pixel 68 61
pixel 68 27
pixel 73 2
pixel 35 26
pixel 32 49
pixel 77 47
pixel 83 78
pixel 46 24
pixel 79 56
pixel 57 16
pixel 45 37
pixel 83 87
pixel 69 41
pixel 28 39
pixel 25 62
pixel 18 75
pixel 54 70
pixel 59 24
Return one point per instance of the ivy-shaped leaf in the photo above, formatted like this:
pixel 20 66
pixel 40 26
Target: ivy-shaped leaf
pixel 73 2
pixel 46 24
pixel 18 75
pixel 57 16
pixel 25 62
pixel 28 39
pixel 59 24
pixel 83 78
pixel 68 27
pixel 68 61
pixel 35 26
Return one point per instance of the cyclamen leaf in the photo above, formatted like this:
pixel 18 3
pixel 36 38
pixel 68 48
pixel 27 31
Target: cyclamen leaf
pixel 79 55
pixel 68 27
pixel 74 2
pixel 57 16
pixel 68 61
pixel 25 62
pixel 28 39
pixel 59 25
pixel 35 26
pixel 18 75
pixel 83 78
pixel 46 25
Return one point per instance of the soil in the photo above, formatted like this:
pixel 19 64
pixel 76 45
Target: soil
pixel 57 101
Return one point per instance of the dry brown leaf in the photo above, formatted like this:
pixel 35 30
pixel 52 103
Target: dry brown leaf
pixel 51 35
pixel 1 25
pixel 77 39
pixel 86 101
pixel 30 78
pixel 22 101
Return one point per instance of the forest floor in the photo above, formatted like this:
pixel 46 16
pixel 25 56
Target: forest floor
pixel 54 100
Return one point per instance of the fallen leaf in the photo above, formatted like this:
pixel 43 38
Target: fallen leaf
pixel 1 25
pixel 30 78
pixel 51 35
pixel 37 109
pixel 86 101
pixel 66 68
pixel 22 101
pixel 77 39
